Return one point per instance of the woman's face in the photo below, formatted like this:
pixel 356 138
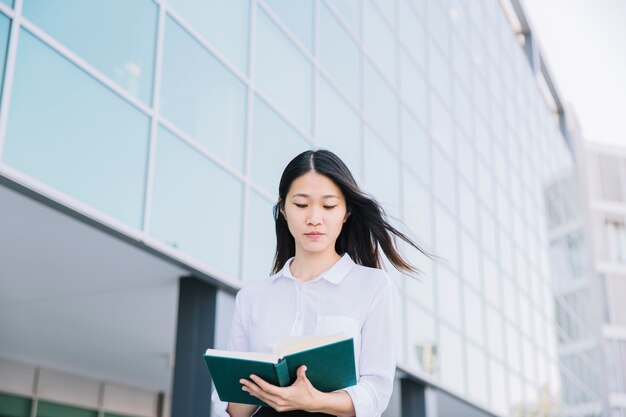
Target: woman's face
pixel 315 210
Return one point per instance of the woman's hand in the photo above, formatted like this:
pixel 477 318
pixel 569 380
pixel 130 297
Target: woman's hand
pixel 300 395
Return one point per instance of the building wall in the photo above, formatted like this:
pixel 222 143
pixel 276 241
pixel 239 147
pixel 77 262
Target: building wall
pixel 173 120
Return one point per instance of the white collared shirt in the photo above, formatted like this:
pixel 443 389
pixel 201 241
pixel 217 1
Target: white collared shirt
pixel 347 298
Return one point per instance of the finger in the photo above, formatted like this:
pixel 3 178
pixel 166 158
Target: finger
pixel 302 372
pixel 256 391
pixel 264 385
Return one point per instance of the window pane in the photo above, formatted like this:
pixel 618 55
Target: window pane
pixel 380 43
pixel 223 23
pixel 449 297
pixel 297 16
pixel 421 343
pixel 381 177
pixel 282 72
pixel 494 333
pixel 446 236
pixel 473 316
pixel 477 369
pixel 121 45
pixel 9 2
pixel 417 208
pixel 91 144
pixel 413 32
pixel 452 360
pixel 444 180
pixel 349 10
pixel 416 147
pixel 381 106
pixel 261 238
pixel 5 25
pixel 339 128
pixel 272 140
pixel 339 54
pixel 196 206
pixel 441 125
pixel 414 88
pixel 202 97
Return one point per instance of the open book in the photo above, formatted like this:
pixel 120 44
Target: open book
pixel 329 361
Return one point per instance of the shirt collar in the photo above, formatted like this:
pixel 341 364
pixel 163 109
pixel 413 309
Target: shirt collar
pixel 334 275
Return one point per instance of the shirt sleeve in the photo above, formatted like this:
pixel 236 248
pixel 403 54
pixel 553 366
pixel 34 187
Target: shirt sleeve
pixel 237 340
pixel 377 362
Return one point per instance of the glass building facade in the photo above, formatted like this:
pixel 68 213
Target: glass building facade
pixel 172 121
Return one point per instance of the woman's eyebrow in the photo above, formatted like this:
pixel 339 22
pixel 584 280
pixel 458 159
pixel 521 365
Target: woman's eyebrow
pixel 307 196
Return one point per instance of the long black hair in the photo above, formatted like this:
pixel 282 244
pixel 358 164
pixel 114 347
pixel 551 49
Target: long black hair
pixel 366 229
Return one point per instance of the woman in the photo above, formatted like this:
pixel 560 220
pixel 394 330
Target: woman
pixel 327 279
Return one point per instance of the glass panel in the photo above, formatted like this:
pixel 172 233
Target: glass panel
pixel 14 406
pixel 470 266
pixel 91 145
pixel 477 370
pixel 498 388
pixel 417 208
pixel 413 32
pixel 339 54
pixel 452 368
pixel 416 147
pixel 414 89
pixel 381 178
pixel 439 74
pixel 491 282
pixel 123 51
pixel 468 209
pixel 297 16
pixel 5 25
pixel 349 10
pixel 272 140
pixel 381 106
pixel 50 409
pixel 282 72
pixel 339 128
pixel 438 23
pixel 466 158
pixel 223 23
pixel 441 125
pixel 444 180
pixel 261 238
pixel 196 206
pixel 473 316
pixel 513 347
pixel 202 97
pixel 449 297
pixel 380 43
pixel 494 333
pixel 421 343
pixel 9 2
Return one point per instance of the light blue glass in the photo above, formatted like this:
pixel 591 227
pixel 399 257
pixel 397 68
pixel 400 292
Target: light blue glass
pixel 416 208
pixel 381 106
pixel 513 347
pixel 446 236
pixel 464 110
pixel 202 97
pixel 414 88
pixel 339 55
pixel 440 74
pixel 196 205
pixel 387 8
pixel 274 144
pixel 439 23
pixel 491 282
pixel 282 72
pixel 470 262
pixel 416 147
pixel 497 380
pixel 350 13
pixel 468 208
pixel 68 131
pixel 444 180
pixel 441 126
pixel 413 32
pixel 420 339
pixel 297 16
pixel 381 176
pixel 476 365
pixel 5 26
pixel 466 158
pixel 121 45
pixel 9 2
pixel 452 361
pixel 495 341
pixel 473 316
pixel 260 238
pixel 223 23
pixel 338 128
pixel 380 43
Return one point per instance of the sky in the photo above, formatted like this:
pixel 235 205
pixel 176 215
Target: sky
pixel 584 45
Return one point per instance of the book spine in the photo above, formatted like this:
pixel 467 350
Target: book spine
pixel 282 372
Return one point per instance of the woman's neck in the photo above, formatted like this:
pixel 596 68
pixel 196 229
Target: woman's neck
pixel 307 266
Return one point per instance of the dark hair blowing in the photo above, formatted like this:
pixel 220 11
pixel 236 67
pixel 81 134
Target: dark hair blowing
pixel 363 234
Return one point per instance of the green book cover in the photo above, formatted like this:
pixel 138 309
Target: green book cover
pixel 329 361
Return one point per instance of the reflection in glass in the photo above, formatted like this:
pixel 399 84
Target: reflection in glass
pixel 339 54
pixel 338 128
pixel 297 16
pixel 381 106
pixel 261 238
pixel 224 24
pixel 202 97
pixel 196 206
pixel 282 72
pixel 121 45
pixel 272 140
pixel 91 144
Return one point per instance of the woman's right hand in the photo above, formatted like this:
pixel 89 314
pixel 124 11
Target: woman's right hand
pixel 241 410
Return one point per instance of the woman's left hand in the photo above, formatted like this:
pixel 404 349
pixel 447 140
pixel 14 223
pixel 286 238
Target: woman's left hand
pixel 300 395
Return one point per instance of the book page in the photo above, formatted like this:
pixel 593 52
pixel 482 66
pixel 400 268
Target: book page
pixel 295 344
pixel 252 356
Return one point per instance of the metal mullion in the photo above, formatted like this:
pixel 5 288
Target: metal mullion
pixel 248 147
pixel 154 126
pixel 9 73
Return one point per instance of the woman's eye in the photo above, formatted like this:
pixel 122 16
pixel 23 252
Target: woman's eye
pixel 329 207
pixel 300 205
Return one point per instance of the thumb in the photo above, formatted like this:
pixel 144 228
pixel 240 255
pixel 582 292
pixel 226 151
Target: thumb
pixel 302 372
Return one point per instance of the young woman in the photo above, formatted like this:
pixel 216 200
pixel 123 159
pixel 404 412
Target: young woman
pixel 327 279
